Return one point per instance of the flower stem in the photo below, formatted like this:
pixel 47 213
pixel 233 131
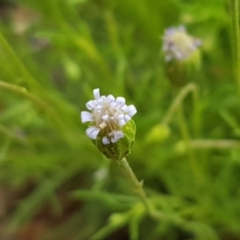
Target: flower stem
pixel 138 187
pixel 189 88
pixel 234 15
pixel 198 174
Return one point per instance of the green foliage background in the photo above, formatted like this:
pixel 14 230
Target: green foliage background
pixel 48 71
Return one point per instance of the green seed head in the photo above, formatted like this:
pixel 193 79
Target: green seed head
pixel 182 54
pixel 121 148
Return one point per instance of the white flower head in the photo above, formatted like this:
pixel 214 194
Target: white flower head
pixel 178 44
pixel 107 115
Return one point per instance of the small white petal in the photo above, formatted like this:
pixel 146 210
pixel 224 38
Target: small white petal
pixel 105 117
pixel 113 140
pixel 124 108
pixel 110 98
pixel 98 107
pixel 100 101
pixel 96 93
pixel 86 117
pixel 131 110
pixel 105 140
pixel 127 118
pixel 120 116
pixel 121 122
pixel 120 101
pixel 113 104
pixel 120 134
pixel 116 136
pixel 91 104
pixel 92 132
pixel 104 98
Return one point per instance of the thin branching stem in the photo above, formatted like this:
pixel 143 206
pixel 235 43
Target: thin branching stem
pixel 214 144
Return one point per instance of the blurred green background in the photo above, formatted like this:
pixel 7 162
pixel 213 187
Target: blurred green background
pixel 54 184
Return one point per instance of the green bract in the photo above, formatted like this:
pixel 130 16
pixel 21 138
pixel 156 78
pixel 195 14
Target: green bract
pixel 121 148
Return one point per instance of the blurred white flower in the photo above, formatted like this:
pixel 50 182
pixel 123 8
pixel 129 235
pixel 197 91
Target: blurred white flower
pixel 178 44
pixel 107 115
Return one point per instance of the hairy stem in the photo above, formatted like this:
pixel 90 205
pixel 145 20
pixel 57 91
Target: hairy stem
pixel 138 187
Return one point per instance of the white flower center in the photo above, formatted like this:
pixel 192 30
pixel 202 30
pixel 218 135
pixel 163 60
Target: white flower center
pixel 108 115
pixel 183 42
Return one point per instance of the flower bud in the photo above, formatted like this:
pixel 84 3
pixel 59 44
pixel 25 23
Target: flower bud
pixel 180 147
pixel 182 54
pixel 158 133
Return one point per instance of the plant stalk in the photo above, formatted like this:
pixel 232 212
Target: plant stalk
pixel 186 137
pixel 234 15
pixel 138 188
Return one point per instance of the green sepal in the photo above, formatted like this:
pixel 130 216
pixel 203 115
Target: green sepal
pixel 180 71
pixel 120 149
